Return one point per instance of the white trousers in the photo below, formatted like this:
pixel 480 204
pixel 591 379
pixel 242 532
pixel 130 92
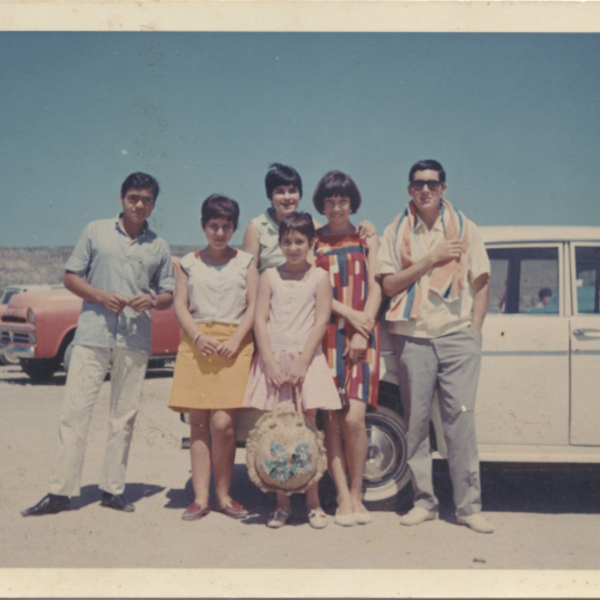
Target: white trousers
pixel 87 370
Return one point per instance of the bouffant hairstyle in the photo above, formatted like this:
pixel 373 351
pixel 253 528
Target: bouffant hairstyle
pixel 336 183
pixel 279 174
pixel 297 221
pixel 217 206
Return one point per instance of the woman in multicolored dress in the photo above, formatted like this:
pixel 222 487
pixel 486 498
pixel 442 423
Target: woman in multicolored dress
pixel 352 340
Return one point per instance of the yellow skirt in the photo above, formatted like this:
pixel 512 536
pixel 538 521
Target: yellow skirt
pixel 210 382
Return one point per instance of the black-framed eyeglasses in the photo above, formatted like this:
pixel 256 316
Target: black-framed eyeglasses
pixel 433 184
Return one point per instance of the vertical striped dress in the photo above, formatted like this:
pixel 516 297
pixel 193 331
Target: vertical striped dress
pixel 345 258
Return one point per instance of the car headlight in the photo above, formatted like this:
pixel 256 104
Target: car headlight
pixel 31 316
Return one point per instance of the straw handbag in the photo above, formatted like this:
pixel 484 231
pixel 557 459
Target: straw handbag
pixel 285 452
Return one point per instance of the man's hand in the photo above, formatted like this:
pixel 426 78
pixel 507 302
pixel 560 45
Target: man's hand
pixel 114 302
pixel 141 302
pixel 446 250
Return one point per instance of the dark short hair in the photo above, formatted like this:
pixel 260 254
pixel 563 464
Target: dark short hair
pixel 217 206
pixel 336 183
pixel 140 181
pixel 297 221
pixel 279 174
pixel 426 165
pixel 545 292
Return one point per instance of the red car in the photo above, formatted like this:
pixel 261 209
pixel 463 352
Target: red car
pixel 37 327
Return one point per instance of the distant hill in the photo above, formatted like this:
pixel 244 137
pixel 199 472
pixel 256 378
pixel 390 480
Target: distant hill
pixel 44 265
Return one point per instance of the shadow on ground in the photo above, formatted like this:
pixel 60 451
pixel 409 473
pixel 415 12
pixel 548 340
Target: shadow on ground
pixel 22 379
pixel 59 379
pixel 537 488
pixel 259 504
pixel 91 494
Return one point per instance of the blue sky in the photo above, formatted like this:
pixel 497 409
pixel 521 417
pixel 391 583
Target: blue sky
pixel 514 119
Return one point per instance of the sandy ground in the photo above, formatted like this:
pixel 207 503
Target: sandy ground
pixel 544 520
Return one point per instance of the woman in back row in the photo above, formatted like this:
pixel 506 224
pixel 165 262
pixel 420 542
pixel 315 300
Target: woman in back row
pixel 261 238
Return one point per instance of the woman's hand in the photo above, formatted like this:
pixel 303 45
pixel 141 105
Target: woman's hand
pixel 357 349
pixel 206 345
pixel 362 322
pixel 298 371
pixel 274 374
pixel 366 229
pixel 228 348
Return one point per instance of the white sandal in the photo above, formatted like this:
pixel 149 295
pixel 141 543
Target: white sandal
pixel 317 519
pixel 278 518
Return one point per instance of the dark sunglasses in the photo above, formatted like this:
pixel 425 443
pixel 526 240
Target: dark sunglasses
pixel 432 184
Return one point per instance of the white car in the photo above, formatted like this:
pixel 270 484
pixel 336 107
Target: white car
pixel 538 398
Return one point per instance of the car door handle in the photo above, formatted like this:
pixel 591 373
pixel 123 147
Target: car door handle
pixel 584 330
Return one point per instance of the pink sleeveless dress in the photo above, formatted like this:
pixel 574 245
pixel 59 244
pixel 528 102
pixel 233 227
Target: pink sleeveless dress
pixel 291 319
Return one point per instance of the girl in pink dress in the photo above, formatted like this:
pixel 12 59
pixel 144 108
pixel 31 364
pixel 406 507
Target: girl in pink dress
pixel 293 307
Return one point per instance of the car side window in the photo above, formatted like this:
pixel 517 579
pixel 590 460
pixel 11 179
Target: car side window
pixel 587 264
pixel 524 281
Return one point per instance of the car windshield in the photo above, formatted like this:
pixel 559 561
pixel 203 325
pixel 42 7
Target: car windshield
pixel 7 296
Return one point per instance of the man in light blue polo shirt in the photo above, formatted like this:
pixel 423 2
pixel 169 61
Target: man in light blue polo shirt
pixel 121 269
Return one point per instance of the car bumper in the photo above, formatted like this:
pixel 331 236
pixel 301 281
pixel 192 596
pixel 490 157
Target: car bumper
pixel 14 351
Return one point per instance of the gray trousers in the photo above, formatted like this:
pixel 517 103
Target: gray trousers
pixel 449 364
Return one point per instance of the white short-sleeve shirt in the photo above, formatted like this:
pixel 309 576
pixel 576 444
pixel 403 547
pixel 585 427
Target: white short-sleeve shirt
pixel 217 294
pixel 436 316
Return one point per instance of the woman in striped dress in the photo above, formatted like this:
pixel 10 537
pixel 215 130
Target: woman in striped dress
pixel 352 340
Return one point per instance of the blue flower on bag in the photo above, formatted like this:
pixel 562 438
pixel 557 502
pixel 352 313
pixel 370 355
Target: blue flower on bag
pixel 278 467
pixel 300 458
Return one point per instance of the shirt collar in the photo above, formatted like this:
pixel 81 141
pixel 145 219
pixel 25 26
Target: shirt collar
pixel 437 226
pixel 118 227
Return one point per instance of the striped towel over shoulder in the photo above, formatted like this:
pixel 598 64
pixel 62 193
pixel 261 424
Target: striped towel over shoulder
pixel 447 278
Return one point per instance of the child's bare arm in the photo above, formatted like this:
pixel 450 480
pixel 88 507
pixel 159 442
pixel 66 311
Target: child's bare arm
pixel 230 347
pixel 315 337
pixel 204 343
pixel 275 376
pixel 374 293
pixel 251 241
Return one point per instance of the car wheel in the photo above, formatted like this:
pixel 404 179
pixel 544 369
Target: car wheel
pixel 8 360
pixel 39 369
pixel 387 481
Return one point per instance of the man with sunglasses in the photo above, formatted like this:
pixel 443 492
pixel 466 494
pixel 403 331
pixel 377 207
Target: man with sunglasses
pixel 433 265
pixel 121 269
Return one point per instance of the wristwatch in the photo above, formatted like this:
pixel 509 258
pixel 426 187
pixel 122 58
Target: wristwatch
pixel 153 296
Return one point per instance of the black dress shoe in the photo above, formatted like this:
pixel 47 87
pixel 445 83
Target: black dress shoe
pixel 48 505
pixel 117 502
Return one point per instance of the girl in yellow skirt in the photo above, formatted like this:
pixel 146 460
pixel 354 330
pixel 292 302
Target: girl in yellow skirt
pixel 214 304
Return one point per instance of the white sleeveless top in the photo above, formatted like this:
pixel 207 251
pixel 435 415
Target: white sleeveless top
pixel 292 311
pixel 217 294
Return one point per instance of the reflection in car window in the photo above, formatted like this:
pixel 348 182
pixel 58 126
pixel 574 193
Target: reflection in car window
pixel 524 280
pixel 588 279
